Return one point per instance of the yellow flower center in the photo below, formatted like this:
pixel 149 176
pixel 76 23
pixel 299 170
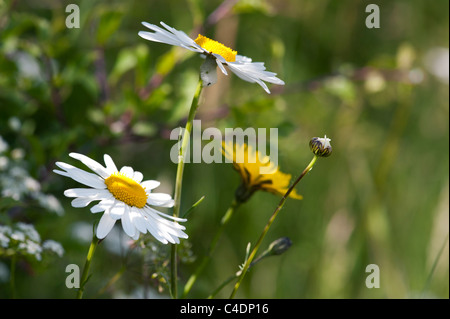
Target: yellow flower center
pixel 216 47
pixel 126 190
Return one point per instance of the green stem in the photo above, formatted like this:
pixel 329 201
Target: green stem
pixel 433 267
pixel 266 228
pixel 237 274
pixel 87 265
pixel 223 222
pixel 179 182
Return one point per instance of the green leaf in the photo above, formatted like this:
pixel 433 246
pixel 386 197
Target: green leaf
pixel 109 23
pixel 192 207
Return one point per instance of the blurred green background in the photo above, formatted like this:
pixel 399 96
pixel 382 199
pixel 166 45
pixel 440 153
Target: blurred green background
pixel 381 95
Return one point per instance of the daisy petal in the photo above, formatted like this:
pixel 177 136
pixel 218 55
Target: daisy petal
pixel 159 199
pixel 127 226
pixel 170 230
pixel 150 210
pixel 105 225
pixel 117 210
pixel 110 166
pixel 137 176
pixel 127 171
pixel 63 173
pixel 81 202
pixel 93 165
pixel 86 192
pixel 103 205
pixel 83 177
pixel 138 220
pixel 155 232
pixel 149 185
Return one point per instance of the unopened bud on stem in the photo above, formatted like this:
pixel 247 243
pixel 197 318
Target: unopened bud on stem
pixel 321 146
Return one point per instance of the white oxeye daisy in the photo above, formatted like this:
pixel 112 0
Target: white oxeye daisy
pixel 122 195
pixel 240 65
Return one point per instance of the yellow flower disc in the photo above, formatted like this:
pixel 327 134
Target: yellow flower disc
pixel 126 190
pixel 216 47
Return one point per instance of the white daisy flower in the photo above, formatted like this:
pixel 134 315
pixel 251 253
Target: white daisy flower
pixel 240 65
pixel 122 195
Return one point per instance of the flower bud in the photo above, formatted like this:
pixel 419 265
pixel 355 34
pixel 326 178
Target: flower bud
pixel 321 146
pixel 279 246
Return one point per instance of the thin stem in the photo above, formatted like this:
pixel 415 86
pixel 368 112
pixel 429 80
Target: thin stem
pixel 87 265
pixel 179 183
pixel 433 267
pixel 112 281
pixel 223 222
pixel 269 223
pixel 237 274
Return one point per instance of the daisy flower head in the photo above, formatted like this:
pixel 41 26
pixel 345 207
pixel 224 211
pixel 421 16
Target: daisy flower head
pixel 123 195
pixel 248 163
pixel 242 66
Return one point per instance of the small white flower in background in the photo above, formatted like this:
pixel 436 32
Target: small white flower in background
pixel 5 234
pixel 53 246
pixel 23 239
pixel 30 247
pixel 29 231
pixel 3 145
pixel 16 183
pixel 242 66
pixel 123 196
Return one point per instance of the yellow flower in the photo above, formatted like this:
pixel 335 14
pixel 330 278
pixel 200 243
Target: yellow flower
pixel 248 162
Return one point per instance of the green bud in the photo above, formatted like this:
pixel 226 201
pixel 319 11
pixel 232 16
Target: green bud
pixel 321 146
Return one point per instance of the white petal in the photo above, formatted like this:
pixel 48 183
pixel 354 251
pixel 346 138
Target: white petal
pixel 159 199
pixel 93 165
pixel 127 171
pixel 83 177
pixel 155 232
pixel 63 173
pixel 127 226
pixel 103 205
pixel 220 65
pixel 243 58
pixel 136 236
pixel 86 192
pixel 169 230
pixel 149 185
pixel 171 37
pixel 110 166
pixel 162 221
pixel 138 219
pixel 81 202
pixel 117 210
pixel 105 225
pixel 150 210
pixel 254 72
pixel 183 37
pixel 137 176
